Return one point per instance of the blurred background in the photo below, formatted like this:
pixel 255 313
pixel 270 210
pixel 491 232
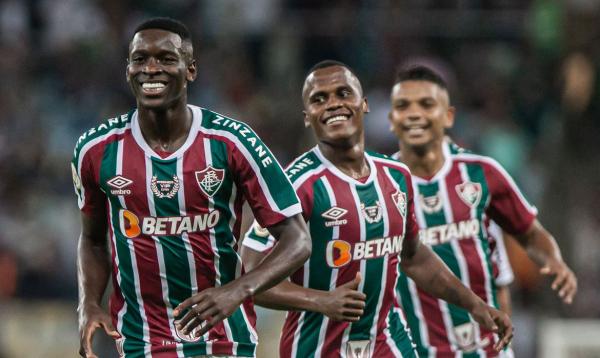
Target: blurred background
pixel 524 76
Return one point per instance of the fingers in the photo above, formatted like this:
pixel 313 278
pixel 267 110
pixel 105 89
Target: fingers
pixel 569 288
pixel 354 283
pixel 505 332
pixel 186 304
pixel 359 304
pixel 356 295
pixel 86 340
pixel 210 322
pixel 110 330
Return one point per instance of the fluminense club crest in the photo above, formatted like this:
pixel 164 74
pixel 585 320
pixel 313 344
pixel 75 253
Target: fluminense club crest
pixel 399 198
pixel 469 192
pixel 164 188
pixel 371 213
pixel 210 179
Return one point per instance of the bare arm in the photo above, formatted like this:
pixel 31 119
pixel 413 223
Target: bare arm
pixel 543 250
pixel 93 271
pixel 345 303
pixel 213 305
pixel 504 301
pixel 432 275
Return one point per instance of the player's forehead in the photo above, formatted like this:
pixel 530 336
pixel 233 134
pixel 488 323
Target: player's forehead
pixel 329 79
pixel 416 89
pixel 151 39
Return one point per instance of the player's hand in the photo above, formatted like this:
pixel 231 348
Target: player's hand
pixel 564 282
pixel 90 319
pixel 208 308
pixel 344 303
pixel 496 321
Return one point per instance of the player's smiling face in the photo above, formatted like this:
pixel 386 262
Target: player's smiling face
pixel 158 69
pixel 420 113
pixel 334 105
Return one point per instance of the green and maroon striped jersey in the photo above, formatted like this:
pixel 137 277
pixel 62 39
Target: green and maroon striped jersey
pixel 355 227
pixel 174 223
pixel 453 210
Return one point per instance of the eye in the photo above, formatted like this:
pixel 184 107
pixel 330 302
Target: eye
pixel 428 103
pixel 137 59
pixel 317 99
pixel 169 60
pixel 400 105
pixel 345 93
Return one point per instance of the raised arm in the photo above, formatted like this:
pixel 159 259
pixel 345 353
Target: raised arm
pixel 432 275
pixel 93 271
pixel 543 250
pixel 212 305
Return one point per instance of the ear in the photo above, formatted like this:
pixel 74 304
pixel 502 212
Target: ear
pixel 365 105
pixel 127 71
pixel 191 71
pixel 450 113
pixel 306 120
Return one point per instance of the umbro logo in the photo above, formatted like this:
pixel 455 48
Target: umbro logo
pixel 335 215
pixel 119 184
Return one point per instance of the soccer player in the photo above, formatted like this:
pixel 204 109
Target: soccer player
pixel 456 194
pixel 359 209
pixel 163 186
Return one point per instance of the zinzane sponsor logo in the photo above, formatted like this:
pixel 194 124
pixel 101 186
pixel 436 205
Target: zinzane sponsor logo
pixel 454 231
pixel 258 147
pixel 131 226
pixel 340 253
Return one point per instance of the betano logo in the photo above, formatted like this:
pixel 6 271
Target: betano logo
pixel 339 252
pixel 132 227
pixel 454 231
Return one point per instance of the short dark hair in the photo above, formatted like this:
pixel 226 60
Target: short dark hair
pixel 167 24
pixel 420 73
pixel 329 63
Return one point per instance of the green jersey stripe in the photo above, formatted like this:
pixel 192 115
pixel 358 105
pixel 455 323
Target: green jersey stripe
pixel 112 165
pixel 319 275
pixel 173 271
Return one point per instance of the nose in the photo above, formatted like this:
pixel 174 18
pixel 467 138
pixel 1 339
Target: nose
pixel 333 103
pixel 152 66
pixel 413 113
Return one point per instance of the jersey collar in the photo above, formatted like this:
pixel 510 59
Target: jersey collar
pixel 331 167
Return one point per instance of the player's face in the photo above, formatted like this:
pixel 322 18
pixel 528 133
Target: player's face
pixel 420 113
pixel 158 70
pixel 334 105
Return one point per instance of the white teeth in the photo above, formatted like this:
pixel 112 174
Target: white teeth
pixel 153 85
pixel 416 130
pixel 336 119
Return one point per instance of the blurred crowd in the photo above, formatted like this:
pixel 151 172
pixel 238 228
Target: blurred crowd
pixel 524 76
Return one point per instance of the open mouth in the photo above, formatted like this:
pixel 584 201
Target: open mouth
pixel 336 119
pixel 153 88
pixel 416 130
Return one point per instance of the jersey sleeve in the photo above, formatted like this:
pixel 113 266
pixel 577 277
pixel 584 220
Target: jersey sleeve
pixel 508 207
pixel 504 275
pixel 267 189
pixel 259 239
pixel 412 228
pixel 90 197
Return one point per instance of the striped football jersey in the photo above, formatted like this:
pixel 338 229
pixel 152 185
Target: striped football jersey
pixel 453 210
pixel 355 227
pixel 174 223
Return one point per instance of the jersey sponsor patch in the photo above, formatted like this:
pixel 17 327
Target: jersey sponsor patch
pixel 131 226
pixel 119 185
pixel 335 215
pixel 399 198
pixel 373 213
pixel 469 192
pixel 358 349
pixel 164 188
pixel 339 252
pixel 431 204
pixel 454 231
pixel 209 180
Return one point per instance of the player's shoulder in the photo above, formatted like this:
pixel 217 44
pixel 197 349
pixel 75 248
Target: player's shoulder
pixel 388 162
pixel 217 122
pixel 306 164
pixel 470 157
pixel 104 130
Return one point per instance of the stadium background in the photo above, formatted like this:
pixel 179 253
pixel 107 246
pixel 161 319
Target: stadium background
pixel 524 76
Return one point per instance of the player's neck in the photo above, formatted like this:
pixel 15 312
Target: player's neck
pixel 349 160
pixel 423 162
pixel 165 130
